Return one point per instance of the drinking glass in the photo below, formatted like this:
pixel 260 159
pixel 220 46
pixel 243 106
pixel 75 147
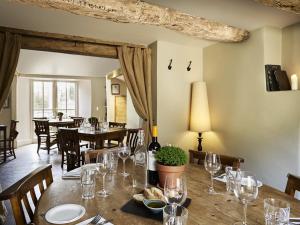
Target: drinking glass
pixel 124 153
pixel 277 212
pixel 88 181
pixel 103 168
pixel 113 160
pixel 175 191
pixel 212 164
pixel 180 218
pixel 246 190
pixel 229 179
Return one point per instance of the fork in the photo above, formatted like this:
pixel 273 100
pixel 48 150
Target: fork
pixel 96 220
pixel 104 222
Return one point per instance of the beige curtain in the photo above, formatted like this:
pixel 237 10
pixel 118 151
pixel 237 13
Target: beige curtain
pixel 10 45
pixel 136 67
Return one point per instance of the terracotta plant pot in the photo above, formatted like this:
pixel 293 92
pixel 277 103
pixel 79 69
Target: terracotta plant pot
pixel 164 171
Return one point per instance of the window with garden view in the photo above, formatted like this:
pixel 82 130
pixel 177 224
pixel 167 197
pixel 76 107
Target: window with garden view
pixel 51 97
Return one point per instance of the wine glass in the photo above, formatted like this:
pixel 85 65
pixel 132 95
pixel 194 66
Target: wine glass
pixel 212 164
pixel 124 154
pixel 175 191
pixel 246 190
pixel 103 168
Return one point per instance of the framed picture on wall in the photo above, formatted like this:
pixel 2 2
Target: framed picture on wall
pixel 115 89
pixel 6 103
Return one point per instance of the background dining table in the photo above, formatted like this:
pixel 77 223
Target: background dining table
pixel 205 209
pixel 61 123
pixel 99 136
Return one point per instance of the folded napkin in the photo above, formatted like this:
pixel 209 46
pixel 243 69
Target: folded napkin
pixel 86 222
pixel 73 174
pixel 222 178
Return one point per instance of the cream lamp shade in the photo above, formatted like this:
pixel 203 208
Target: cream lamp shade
pixel 199 120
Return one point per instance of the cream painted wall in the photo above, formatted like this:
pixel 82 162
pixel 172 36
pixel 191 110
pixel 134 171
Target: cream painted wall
pixel 84 98
pixel 291 50
pixel 260 126
pixel 173 92
pixel 98 95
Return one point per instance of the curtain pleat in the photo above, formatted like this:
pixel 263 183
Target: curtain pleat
pixel 10 45
pixel 136 67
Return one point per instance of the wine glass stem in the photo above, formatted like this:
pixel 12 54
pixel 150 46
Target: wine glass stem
pixel 212 181
pixel 174 207
pixel 103 182
pixel 245 213
pixel 123 166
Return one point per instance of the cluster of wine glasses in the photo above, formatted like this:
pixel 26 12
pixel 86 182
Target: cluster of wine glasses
pixel 245 184
pixel 106 161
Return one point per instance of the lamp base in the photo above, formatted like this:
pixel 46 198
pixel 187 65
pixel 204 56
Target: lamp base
pixel 200 142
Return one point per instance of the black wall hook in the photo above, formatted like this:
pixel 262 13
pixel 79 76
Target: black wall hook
pixel 189 66
pixel 170 64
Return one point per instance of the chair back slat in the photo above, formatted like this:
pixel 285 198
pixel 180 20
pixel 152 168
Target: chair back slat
pixel 293 184
pixel 78 121
pixel 132 139
pixel 28 207
pixel 20 192
pixel 116 125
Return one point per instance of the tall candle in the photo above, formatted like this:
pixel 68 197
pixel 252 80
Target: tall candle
pixel 294 82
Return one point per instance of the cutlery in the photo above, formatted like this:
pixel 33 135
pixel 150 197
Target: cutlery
pixel 104 222
pixel 96 220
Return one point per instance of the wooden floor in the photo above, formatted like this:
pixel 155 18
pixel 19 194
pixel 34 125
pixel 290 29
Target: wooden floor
pixel 26 161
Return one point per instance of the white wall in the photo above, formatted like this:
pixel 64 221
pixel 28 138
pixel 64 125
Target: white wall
pixel 133 119
pixel 262 127
pixel 23 111
pixel 84 98
pixel 173 92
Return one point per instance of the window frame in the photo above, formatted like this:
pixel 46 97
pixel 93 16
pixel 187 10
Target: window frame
pixel 54 95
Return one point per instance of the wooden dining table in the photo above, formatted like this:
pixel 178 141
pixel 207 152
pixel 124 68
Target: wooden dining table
pixel 99 136
pixel 205 209
pixel 61 123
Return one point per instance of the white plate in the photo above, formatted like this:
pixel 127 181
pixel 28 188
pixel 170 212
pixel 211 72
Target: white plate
pixel 66 213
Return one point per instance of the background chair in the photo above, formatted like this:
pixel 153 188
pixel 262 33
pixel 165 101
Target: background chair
pixel 43 134
pixel 293 184
pixel 132 139
pixel 225 159
pixel 114 143
pixel 78 121
pixel 10 141
pixel 69 146
pixel 24 191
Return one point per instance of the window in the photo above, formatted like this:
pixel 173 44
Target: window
pixel 66 98
pixel 50 97
pixel 42 99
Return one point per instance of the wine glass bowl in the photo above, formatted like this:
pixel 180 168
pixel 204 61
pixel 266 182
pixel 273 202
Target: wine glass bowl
pixel 212 164
pixel 246 190
pixel 124 153
pixel 175 190
pixel 103 169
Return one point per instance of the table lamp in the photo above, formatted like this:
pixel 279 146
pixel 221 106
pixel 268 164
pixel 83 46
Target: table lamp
pixel 199 118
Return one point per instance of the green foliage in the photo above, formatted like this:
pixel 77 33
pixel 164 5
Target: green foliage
pixel 171 156
pixel 60 114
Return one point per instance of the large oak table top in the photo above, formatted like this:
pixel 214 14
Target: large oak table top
pixel 205 209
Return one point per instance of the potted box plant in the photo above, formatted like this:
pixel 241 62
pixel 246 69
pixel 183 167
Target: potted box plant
pixel 171 161
pixel 60 115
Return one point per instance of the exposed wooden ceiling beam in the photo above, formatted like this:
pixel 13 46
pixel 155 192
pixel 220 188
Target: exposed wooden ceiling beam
pixel 139 12
pixel 287 5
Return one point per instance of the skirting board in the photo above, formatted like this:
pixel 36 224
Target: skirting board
pixel 23 142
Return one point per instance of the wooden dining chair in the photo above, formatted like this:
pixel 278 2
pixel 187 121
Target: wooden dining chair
pixel 116 125
pixel 78 121
pixel 293 184
pixel 199 157
pixel 23 195
pixel 43 134
pixel 69 146
pixel 132 139
pixel 10 141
